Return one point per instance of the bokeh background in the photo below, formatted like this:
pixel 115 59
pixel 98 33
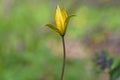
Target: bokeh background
pixel 31 51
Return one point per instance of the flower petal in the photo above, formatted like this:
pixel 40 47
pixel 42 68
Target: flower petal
pixel 53 27
pixel 59 19
pixel 64 14
pixel 66 22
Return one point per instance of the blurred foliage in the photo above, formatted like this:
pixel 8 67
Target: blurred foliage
pixel 115 71
pixel 25 50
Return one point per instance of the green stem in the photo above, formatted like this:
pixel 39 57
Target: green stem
pixel 64 58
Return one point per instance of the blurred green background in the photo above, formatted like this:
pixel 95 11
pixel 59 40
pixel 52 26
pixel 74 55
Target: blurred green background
pixel 31 51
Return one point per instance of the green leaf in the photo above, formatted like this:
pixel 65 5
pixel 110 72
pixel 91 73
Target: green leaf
pixel 115 72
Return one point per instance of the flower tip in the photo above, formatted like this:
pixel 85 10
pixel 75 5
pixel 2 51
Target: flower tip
pixel 58 6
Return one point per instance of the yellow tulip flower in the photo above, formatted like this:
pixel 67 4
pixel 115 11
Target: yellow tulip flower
pixel 61 19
